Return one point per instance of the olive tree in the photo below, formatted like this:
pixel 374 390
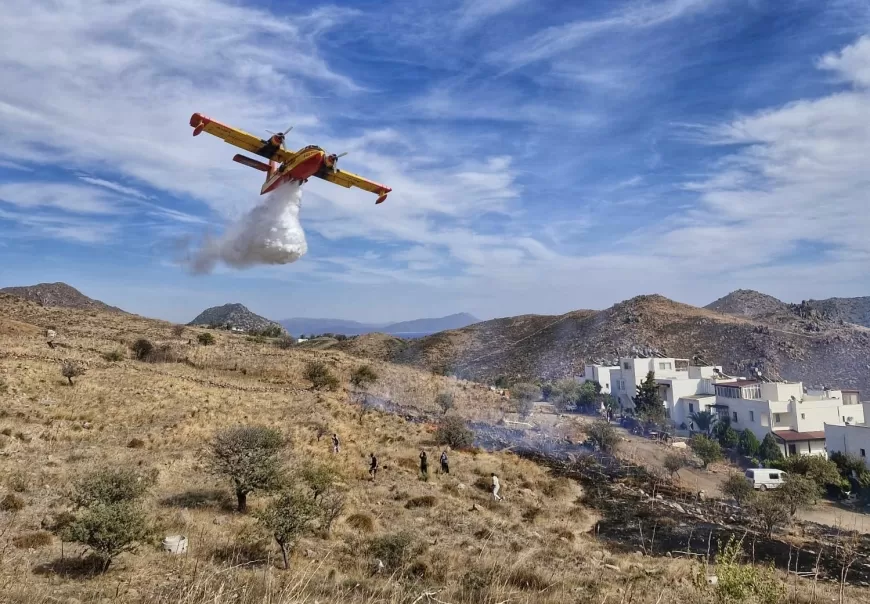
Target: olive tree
pixel 706 448
pixel 445 401
pixel 249 457
pixel 291 515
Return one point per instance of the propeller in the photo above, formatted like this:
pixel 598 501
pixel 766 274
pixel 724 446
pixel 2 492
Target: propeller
pixel 281 134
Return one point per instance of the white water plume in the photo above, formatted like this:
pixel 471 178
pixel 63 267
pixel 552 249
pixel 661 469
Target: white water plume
pixel 269 234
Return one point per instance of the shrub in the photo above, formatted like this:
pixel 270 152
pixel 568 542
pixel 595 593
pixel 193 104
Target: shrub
pixel 162 354
pixel 248 457
pixel 453 432
pixel 178 330
pixel 142 348
pixel 737 487
pixel 674 462
pixel 707 449
pixel 526 578
pixel 445 401
pixel 33 540
pixel 531 514
pixel 319 477
pixel 361 521
pixel 603 436
pixel 70 370
pixel 424 501
pixel 771 510
pixel 12 503
pixel 114 356
pixel 18 482
pixel 769 449
pixel 109 529
pixel 748 444
pixel 393 550
pixel 206 339
pixel 110 486
pixel 287 518
pixel 524 396
pixel 136 443
pixel 363 376
pixel 320 376
pixel 739 582
pixel 272 331
pixel 285 342
pixel 815 467
pixel 567 393
pixel 726 435
pixel 799 492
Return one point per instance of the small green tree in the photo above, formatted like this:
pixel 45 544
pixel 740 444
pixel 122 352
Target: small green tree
pixel 603 436
pixel 452 431
pixel 285 342
pixel 288 517
pixel 249 457
pixel 110 486
pixel 748 444
pixel 109 530
pixel 707 449
pixel 320 376
pixel 524 396
pixel 728 438
pixel 822 471
pixel 738 582
pixel 588 394
pixel 319 477
pixel 769 449
pixel 771 510
pixel 206 339
pixel 142 348
pixel 648 404
pixel 445 401
pixel 703 420
pixel 799 492
pixel 674 462
pixel 70 370
pixel 737 487
pixel 565 393
pixel 363 376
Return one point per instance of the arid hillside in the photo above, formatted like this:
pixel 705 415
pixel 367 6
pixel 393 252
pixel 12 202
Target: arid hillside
pixel 58 294
pixel 788 341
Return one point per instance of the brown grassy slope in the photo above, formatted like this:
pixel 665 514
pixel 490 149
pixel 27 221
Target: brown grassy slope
pixel 538 546
pixel 58 294
pixel 379 346
pixel 782 345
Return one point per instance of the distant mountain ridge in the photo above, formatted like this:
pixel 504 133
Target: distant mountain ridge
pixel 58 295
pixel 415 327
pixel 235 315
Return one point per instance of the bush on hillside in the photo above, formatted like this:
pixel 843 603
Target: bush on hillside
pixel 748 444
pixel 248 456
pixel 12 503
pixel 178 330
pixel 452 431
pixel 287 518
pixel 603 436
pixel 142 348
pixel 111 486
pixel 674 462
pixel 320 376
pixel 363 376
pixel 206 339
pixel 707 449
pixel 823 472
pixel 395 550
pixel 285 342
pixel 445 401
pixel 114 356
pixel 737 487
pixel 70 370
pixel 361 521
pixel 769 450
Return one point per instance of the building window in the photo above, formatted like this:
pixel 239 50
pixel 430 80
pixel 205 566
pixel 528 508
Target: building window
pixel 792 450
pixel 752 416
pixel 626 366
pixel 691 407
pixel 664 365
pixel 776 418
pixel 803 415
pixel 735 417
pixel 863 454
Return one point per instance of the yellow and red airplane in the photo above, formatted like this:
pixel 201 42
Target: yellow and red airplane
pixel 285 166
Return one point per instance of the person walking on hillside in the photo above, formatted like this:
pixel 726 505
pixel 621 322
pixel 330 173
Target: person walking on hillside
pixel 336 446
pixel 495 488
pixel 445 468
pixel 424 465
pixel 373 467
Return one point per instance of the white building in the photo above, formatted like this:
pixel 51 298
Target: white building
pixel 852 440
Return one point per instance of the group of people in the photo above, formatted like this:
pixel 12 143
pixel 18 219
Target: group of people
pixel 424 466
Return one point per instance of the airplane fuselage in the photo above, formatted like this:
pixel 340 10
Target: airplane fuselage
pixel 305 164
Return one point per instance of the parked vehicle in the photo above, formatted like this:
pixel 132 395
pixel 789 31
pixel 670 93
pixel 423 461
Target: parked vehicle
pixel 765 478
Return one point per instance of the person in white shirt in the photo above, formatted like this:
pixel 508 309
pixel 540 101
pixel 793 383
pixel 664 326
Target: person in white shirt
pixel 495 487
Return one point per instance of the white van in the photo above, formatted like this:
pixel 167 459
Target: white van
pixel 765 478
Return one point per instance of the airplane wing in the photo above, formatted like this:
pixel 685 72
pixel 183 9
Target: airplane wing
pixel 238 138
pixel 349 179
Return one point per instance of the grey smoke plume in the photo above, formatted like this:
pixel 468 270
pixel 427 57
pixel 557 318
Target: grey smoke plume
pixel 269 234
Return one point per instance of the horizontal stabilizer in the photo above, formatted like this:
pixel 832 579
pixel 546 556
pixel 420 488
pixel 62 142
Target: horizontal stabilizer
pixel 251 163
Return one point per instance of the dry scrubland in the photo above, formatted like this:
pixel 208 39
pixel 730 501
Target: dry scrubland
pixel 536 546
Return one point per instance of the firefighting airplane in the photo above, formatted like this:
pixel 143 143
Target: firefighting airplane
pixel 285 166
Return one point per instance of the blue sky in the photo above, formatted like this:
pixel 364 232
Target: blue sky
pixel 545 156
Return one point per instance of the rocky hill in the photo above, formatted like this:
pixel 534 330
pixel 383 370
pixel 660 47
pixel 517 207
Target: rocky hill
pixel 235 315
pixel 747 303
pixel 790 342
pixel 850 310
pixel 58 295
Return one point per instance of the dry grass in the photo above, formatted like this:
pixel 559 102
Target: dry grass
pixel 159 416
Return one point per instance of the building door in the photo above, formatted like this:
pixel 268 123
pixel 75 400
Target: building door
pixel 792 450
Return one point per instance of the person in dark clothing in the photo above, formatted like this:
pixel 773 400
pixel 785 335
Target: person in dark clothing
pixel 373 467
pixel 336 447
pixel 444 465
pixel 424 464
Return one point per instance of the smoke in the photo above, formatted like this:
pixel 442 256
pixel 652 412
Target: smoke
pixel 269 234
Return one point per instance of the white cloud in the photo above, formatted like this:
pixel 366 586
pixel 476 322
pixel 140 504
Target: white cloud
pixel 49 226
pixel 852 63
pixel 113 186
pixel 70 198
pixel 474 12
